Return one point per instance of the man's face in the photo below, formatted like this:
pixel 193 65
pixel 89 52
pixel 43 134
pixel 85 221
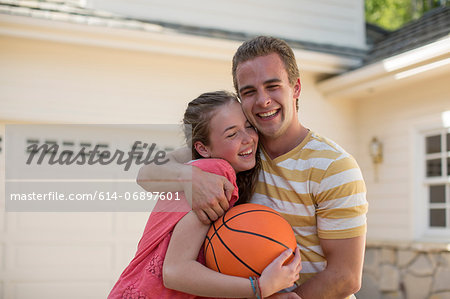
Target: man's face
pixel 268 100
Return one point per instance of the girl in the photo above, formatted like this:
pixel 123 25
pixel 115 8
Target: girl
pixel 169 262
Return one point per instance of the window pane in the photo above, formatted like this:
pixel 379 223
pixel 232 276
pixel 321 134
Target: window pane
pixel 434 167
pixel 448 142
pixel 437 217
pixel 437 194
pixel 448 166
pixel 433 144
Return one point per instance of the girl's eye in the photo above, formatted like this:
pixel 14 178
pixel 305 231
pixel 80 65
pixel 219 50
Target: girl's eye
pixel 232 135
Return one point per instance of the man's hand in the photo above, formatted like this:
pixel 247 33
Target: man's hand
pixel 207 193
pixel 210 195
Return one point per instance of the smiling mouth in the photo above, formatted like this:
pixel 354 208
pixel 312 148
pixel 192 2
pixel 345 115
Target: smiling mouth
pixel 246 153
pixel 268 114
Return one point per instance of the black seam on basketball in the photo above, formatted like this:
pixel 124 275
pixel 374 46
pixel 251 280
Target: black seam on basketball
pixel 207 244
pixel 251 233
pixel 231 251
pixel 214 223
pixel 224 224
pixel 256 234
pixel 245 212
pixel 212 248
pixel 215 230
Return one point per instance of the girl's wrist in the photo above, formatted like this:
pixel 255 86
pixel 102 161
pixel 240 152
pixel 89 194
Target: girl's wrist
pixel 264 287
pixel 259 288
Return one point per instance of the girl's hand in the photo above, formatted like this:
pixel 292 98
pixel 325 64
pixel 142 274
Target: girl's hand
pixel 276 277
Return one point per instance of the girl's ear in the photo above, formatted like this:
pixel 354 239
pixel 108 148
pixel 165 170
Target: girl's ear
pixel 202 149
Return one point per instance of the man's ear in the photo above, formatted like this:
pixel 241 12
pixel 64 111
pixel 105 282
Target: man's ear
pixel 202 149
pixel 297 88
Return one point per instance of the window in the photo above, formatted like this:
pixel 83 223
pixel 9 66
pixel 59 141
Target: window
pixel 437 179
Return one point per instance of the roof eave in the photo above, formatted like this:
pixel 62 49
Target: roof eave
pixel 382 74
pixel 156 39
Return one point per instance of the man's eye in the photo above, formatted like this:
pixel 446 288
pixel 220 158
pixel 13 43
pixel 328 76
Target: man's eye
pixel 272 86
pixel 248 93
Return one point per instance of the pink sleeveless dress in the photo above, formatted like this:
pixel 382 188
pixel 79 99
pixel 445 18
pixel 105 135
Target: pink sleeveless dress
pixel 142 279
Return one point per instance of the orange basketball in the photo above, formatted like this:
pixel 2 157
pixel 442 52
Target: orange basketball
pixel 246 239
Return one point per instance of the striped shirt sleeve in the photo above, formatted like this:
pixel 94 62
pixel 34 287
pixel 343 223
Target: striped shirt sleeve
pixel 341 200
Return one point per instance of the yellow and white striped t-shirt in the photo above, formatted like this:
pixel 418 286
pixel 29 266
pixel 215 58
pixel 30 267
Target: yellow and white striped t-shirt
pixel 319 189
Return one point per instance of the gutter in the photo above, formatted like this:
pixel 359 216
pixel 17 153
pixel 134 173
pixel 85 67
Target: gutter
pixel 385 73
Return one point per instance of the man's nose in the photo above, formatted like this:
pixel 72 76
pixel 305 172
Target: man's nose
pixel 263 99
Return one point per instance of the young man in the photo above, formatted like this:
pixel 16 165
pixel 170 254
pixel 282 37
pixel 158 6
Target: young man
pixel 310 180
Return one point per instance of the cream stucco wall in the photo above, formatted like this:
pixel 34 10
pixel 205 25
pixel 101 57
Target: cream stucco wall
pixel 56 82
pixel 334 119
pixel 397 116
pixel 50 81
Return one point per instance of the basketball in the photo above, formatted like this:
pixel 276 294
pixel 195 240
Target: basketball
pixel 246 239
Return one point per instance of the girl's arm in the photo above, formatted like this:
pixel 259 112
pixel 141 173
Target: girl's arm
pixel 182 272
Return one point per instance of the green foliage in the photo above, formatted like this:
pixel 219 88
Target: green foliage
pixel 392 14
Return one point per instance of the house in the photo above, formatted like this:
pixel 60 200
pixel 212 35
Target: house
pixel 110 62
pixel 401 97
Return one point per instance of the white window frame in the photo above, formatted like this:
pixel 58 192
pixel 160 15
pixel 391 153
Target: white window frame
pixel 421 219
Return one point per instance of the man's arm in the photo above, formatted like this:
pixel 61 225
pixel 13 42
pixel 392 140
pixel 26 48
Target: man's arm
pixel 341 225
pixel 170 176
pixel 342 275
pixel 211 192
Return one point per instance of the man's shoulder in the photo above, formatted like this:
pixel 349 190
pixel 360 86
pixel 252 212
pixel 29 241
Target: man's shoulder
pixel 320 143
pixel 337 156
pixel 317 147
pixel 317 154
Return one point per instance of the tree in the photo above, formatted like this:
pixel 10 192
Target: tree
pixel 392 14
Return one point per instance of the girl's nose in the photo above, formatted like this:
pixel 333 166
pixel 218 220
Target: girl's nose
pixel 246 137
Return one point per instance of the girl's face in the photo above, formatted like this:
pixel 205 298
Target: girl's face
pixel 231 138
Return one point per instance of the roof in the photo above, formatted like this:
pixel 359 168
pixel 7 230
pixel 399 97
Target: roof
pixel 432 26
pixel 76 11
pixel 374 34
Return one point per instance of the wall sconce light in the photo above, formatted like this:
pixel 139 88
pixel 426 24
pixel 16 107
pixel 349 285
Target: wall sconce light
pixel 376 151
